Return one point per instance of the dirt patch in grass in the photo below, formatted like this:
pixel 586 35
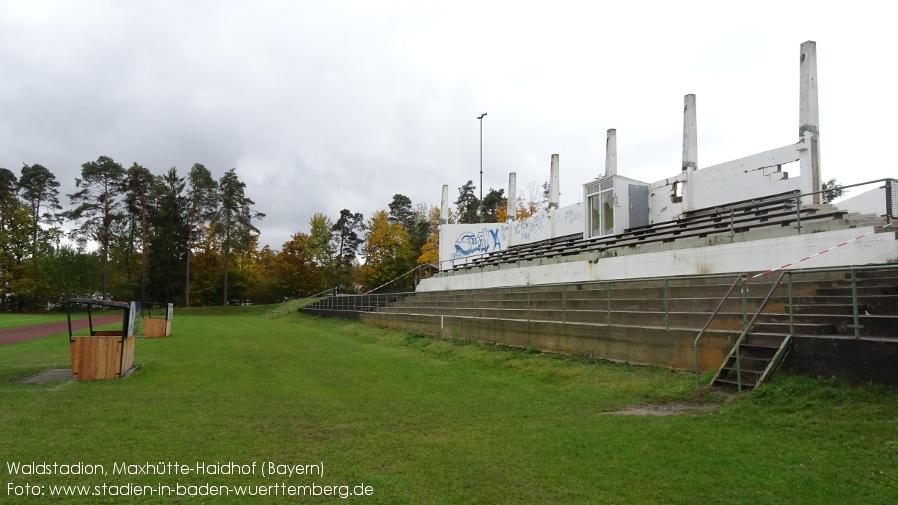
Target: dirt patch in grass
pixel 665 409
pixel 52 375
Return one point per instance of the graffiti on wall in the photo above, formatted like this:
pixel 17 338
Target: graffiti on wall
pixel 481 242
pixel 525 229
pixel 573 216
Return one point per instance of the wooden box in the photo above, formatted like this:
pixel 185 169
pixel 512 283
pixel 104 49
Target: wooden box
pixel 102 356
pixel 155 327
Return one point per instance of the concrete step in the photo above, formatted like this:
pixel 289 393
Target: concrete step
pixel 875 274
pixel 799 328
pixel 826 308
pixel 862 290
pixel 748 364
pixel 762 339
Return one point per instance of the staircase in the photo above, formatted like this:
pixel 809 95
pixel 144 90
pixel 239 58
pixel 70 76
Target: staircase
pixel 829 310
pixel 654 321
pixel 753 360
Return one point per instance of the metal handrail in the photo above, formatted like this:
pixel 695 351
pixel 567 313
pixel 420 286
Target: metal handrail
pixel 797 197
pixel 351 303
pixel 740 277
pixel 706 276
pixel 748 327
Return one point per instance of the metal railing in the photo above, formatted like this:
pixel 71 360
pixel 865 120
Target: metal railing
pixel 453 304
pixel 891 201
pixel 450 303
pixel 370 302
pixel 852 279
pixel 748 327
pixel 740 278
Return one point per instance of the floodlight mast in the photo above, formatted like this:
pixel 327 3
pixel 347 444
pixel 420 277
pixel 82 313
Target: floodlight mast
pixel 480 204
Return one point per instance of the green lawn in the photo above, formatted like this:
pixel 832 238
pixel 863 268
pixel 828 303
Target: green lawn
pixel 421 420
pixel 17 320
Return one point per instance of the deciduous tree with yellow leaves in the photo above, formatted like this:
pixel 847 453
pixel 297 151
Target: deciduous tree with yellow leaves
pixel 387 255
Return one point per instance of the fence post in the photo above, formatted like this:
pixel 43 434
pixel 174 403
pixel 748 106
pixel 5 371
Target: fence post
pixel 528 303
pixel 666 304
pixel 854 306
pixel 890 210
pixel 791 307
pixel 563 303
pixel 732 225
pixel 608 296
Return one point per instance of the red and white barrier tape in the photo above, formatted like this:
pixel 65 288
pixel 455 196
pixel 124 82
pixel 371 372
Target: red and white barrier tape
pixel 394 280
pixel 787 265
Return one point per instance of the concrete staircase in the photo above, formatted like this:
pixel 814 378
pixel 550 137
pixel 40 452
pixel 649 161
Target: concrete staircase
pixel 837 308
pixel 758 358
pixel 649 321
pixel 655 321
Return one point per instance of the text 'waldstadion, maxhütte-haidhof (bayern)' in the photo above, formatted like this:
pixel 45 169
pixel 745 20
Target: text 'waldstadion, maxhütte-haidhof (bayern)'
pixel 264 469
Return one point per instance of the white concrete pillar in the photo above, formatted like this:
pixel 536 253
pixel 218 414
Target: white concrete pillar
pixel 809 117
pixel 690 135
pixel 809 114
pixel 444 219
pixel 512 211
pixel 611 152
pixel 690 150
pixel 444 208
pixel 553 183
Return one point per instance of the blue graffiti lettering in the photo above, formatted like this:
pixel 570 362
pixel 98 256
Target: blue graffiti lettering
pixel 495 234
pixel 572 216
pixel 469 243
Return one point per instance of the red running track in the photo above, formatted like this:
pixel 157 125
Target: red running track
pixel 12 335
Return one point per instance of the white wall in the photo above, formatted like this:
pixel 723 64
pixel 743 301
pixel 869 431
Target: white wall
pixel 869 202
pixel 754 176
pixel 739 257
pixel 460 243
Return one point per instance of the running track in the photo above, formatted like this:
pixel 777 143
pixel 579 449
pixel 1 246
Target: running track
pixel 12 335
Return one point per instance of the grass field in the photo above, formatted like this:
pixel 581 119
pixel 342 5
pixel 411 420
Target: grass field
pixel 17 320
pixel 422 420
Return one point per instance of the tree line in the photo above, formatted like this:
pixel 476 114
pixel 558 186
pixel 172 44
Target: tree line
pixel 147 229
pixel 192 240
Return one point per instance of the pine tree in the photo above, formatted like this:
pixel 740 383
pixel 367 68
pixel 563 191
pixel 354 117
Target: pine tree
pixel 98 206
pixel 234 220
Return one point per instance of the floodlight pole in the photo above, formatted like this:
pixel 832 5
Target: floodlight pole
pixel 480 203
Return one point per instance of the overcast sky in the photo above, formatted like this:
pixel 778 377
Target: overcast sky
pixel 328 105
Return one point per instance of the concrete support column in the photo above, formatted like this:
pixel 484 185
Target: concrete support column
pixel 690 149
pixel 690 135
pixel 444 219
pixel 444 206
pixel 553 183
pixel 512 210
pixel 809 118
pixel 611 152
